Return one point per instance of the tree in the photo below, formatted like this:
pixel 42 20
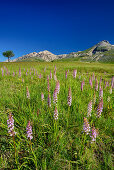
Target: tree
pixel 8 54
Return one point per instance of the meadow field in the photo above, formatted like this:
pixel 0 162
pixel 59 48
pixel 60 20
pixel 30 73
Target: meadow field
pixel 56 115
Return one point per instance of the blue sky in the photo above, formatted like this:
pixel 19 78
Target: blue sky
pixel 60 26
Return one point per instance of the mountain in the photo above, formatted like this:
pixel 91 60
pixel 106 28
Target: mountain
pixel 102 52
pixel 43 55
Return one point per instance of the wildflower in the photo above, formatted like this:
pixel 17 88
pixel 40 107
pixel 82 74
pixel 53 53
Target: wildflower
pixel 100 93
pixel 100 83
pixel 10 123
pixel 58 87
pixel 106 84
pixel 28 94
pixel 93 76
pixel 112 82
pixel 89 110
pixel 29 131
pixel 55 77
pixel 74 73
pixel 48 87
pixel 55 96
pixel 56 114
pixel 13 73
pixel 19 72
pixel 94 134
pixel 69 97
pixel 86 127
pixel 96 85
pixel 100 108
pixel 50 75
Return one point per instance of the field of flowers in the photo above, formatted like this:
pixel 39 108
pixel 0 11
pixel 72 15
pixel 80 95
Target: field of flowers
pixel 56 116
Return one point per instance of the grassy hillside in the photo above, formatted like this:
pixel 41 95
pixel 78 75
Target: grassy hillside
pixel 32 59
pixel 58 131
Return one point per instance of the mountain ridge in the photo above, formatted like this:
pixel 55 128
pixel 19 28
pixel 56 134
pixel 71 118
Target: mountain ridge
pixel 103 51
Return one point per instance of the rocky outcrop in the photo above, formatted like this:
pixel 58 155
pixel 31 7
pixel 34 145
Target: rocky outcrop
pixel 44 55
pixel 102 47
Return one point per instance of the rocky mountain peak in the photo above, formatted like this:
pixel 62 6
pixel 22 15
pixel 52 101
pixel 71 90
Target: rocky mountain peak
pixel 103 43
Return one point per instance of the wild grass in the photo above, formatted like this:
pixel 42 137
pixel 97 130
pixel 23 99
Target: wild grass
pixel 56 144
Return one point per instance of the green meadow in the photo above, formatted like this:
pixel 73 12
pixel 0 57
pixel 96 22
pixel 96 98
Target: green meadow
pixel 58 142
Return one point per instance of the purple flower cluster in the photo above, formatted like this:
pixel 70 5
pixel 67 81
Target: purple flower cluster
pixel 74 73
pixel 100 83
pixel 19 72
pixel 55 77
pixel 55 96
pixel 94 134
pixel 58 87
pixel 69 97
pixel 106 84
pixel 96 85
pixel 86 127
pixel 13 73
pixel 29 131
pixel 82 84
pixel 100 93
pixel 56 91
pixel 50 75
pixel 93 77
pixel 56 114
pixel 10 123
pixel 112 82
pixel 89 110
pixel 48 87
pixel 28 94
pixel 100 108
pixel 87 130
